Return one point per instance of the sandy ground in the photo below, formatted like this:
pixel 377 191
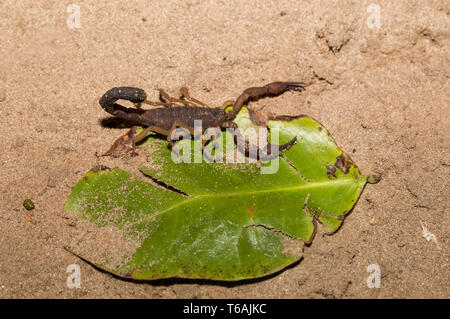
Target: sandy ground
pixel 382 90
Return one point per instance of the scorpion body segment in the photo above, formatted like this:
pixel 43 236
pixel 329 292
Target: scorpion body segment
pixel 166 117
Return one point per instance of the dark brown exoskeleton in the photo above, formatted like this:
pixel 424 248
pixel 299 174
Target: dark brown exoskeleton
pixel 165 120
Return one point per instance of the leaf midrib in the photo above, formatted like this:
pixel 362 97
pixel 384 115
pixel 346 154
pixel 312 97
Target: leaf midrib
pixel 239 194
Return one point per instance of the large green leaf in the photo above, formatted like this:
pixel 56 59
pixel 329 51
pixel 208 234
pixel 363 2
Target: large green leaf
pixel 217 221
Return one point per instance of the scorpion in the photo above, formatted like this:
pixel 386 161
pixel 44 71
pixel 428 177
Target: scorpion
pixel 171 115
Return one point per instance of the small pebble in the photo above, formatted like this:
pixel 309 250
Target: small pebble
pixel 28 204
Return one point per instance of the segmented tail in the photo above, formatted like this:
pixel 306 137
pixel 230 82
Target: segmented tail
pixel 135 95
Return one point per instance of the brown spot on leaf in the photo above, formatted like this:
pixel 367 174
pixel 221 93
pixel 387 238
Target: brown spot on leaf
pixel 331 171
pixel 250 211
pixel 343 162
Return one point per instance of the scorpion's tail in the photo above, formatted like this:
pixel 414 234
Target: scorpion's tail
pixel 135 95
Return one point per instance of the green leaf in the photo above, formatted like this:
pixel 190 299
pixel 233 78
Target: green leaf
pixel 217 221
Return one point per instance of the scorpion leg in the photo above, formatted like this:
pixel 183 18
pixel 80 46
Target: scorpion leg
pixel 254 93
pixel 148 129
pixel 176 125
pixel 164 96
pixel 263 155
pixel 185 95
pixel 158 103
pixel 127 142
